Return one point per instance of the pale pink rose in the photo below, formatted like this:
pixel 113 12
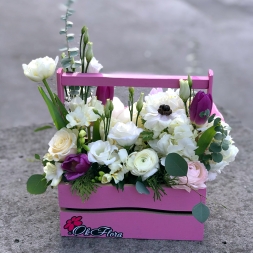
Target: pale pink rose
pixel 197 176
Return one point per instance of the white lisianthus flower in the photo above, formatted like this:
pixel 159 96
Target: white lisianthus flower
pixel 144 163
pixel 74 103
pixel 48 157
pixel 63 143
pixel 125 134
pixel 101 152
pixel 53 172
pixel 118 169
pixel 81 116
pixel 96 104
pixel 120 113
pixel 40 69
pixel 94 66
pixel 106 178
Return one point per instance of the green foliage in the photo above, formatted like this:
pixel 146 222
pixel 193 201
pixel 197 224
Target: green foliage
pixel 42 128
pixel 176 165
pixel 36 184
pixel 147 135
pixel 141 188
pixel 217 157
pixel 155 182
pixel 201 212
pixel 205 113
pixel 37 156
pixel 210 119
pixel 96 134
pixel 84 186
pixel 59 122
pixel 205 140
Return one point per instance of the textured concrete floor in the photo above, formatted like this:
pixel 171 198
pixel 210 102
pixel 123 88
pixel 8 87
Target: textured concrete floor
pixel 163 37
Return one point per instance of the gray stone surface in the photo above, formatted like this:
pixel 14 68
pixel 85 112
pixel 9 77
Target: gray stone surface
pixel 161 37
pixel 31 223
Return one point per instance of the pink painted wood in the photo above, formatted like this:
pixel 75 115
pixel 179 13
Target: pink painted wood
pixel 132 214
pixel 134 80
pixel 128 214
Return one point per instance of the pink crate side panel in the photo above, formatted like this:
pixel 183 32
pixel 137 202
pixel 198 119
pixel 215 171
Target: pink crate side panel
pixel 175 200
pixel 131 224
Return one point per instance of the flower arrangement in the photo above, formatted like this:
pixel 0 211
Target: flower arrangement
pixel 168 138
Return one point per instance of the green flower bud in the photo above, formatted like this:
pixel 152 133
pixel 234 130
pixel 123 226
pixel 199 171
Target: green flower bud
pixel 93 181
pixel 84 29
pixel 85 147
pixel 79 150
pixel 131 91
pixel 81 141
pixel 82 133
pixel 89 52
pixel 101 173
pixel 99 179
pixel 107 108
pixel 189 81
pixel 86 38
pixel 184 92
pixel 111 107
pixel 96 111
pixel 63 55
pixel 139 104
pixel 96 178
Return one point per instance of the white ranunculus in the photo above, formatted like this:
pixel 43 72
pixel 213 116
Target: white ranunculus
pixel 125 134
pixel 144 163
pixel 106 178
pixel 101 152
pixel 63 143
pixel 40 69
pixel 53 172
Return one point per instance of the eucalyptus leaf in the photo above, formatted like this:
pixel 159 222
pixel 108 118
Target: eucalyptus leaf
pixel 218 128
pixel 217 157
pixel 224 146
pixel 69 23
pixel 218 136
pixel 63 17
pixel 141 188
pixel 36 184
pixel 63 49
pixel 66 62
pixel 176 165
pixel 204 140
pixel 210 119
pixel 215 147
pixel 69 38
pixel 73 54
pixel 201 212
pixel 217 121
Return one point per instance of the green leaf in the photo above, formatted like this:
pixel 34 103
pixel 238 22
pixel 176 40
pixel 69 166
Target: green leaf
pixel 37 156
pixel 218 136
pixel 224 146
pixel 218 128
pixel 141 188
pixel 176 165
pixel 66 62
pixel 205 140
pixel 96 134
pixel 42 128
pixel 217 157
pixel 205 113
pixel 201 212
pixel 147 135
pixel 56 116
pixel 36 184
pixel 217 121
pixel 210 119
pixel 215 147
pixel 62 31
pixel 70 36
pixel 63 17
pixel 61 108
pixel 63 49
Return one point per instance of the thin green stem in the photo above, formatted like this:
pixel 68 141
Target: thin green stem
pixel 186 109
pixel 138 114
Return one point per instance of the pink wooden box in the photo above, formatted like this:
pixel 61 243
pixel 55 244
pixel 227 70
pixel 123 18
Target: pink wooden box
pixel 128 214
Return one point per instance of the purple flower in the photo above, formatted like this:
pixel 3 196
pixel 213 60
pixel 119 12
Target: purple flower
pixel 75 166
pixel 200 108
pixel 104 92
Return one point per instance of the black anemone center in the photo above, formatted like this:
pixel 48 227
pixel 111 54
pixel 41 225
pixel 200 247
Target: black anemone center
pixel 164 110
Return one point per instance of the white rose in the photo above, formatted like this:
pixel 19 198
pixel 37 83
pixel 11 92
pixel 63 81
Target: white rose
pixel 53 172
pixel 125 134
pixel 101 152
pixel 40 69
pixel 63 143
pixel 144 163
pixel 48 157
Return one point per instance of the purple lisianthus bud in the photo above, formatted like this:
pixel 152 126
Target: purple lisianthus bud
pixel 104 92
pixel 75 166
pixel 200 108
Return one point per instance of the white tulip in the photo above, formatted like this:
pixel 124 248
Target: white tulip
pixel 40 69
